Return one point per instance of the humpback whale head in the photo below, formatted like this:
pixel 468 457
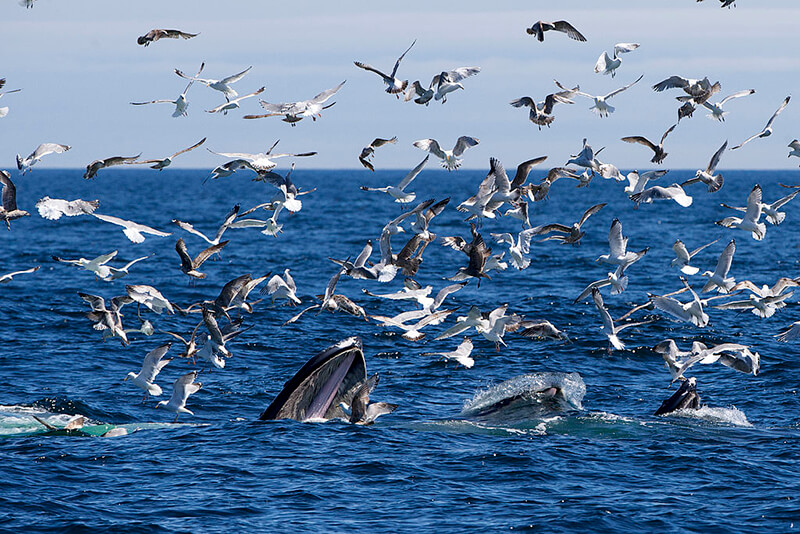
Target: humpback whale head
pixel 685 398
pixel 326 381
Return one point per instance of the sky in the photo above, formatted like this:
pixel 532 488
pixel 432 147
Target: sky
pixel 79 66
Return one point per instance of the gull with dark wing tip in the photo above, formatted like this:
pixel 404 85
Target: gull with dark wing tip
pixel 707 176
pixel 587 158
pixel 609 65
pixel 673 192
pixel 749 222
pixel 153 363
pixel 363 412
pixel 448 81
pixel 132 230
pixel 572 234
pixel 771 211
pixel 393 85
pixel 638 182
pixel 181 103
pixel 609 328
pixel 107 318
pixel 474 318
pixel 691 312
pixel 189 266
pixel 476 250
pixel 795 148
pixel 419 93
pixel 601 106
pixel 717 113
pixel 96 165
pixel 767 131
pixel 149 297
pixel 658 150
pixel 261 162
pixel 517 248
pixel 698 91
pixel 719 279
pixel 333 302
pixel 233 103
pixel 617 280
pixel 460 355
pixel 683 257
pixel 229 218
pixel 159 164
pixel 8 277
pixel 4 110
pixel 159 33
pixel 412 332
pixel 9 210
pixel 398 192
pixel 790 334
pixel 450 158
pixel 539 27
pixel 222 85
pixel 733 355
pixel 181 389
pixel 53 208
pixel 541 113
pixel 97 265
pixel 369 151
pixel 293 112
pixel 618 253
pixel 25 164
pixel 282 288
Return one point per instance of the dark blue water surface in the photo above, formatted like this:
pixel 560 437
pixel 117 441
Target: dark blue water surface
pixel 610 466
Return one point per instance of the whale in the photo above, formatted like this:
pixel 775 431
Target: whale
pixel 327 381
pixel 685 398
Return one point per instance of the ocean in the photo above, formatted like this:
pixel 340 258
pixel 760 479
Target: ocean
pixel 607 465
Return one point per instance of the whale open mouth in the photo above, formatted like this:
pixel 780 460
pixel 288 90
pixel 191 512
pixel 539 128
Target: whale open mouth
pixel 326 380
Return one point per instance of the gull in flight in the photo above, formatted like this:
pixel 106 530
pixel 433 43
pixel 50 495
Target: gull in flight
pixel 749 222
pixel 159 164
pixel 261 162
pixel 53 208
pixel 132 230
pixel 609 65
pixel 152 365
pixel 97 265
pixel 181 104
pixel 222 85
pixel 609 328
pixel 683 257
pixel 707 176
pixel 282 288
pixel 233 103
pixel 96 165
pixel 476 250
pixel 234 294
pixel 572 234
pixel 460 355
pixel 8 277
pixel 733 355
pixel 369 151
pixel 181 389
pixel 412 332
pixel 419 93
pixel 717 113
pixel 617 280
pixel 698 91
pixel 450 158
pixel 156 34
pixel 586 158
pixel 539 27
pixel 25 164
pixel 767 131
pixel 673 192
pixel 691 312
pixel 4 110
pixel 517 249
pixel 618 253
pixel 105 318
pixel 541 113
pixel 189 266
pixel 393 85
pixel 658 150
pixel 763 301
pixel 398 192
pixel 333 302
pixel 271 226
pixel 413 291
pixel 719 278
pixel 474 318
pixel 293 112
pixel 637 182
pixel 771 211
pixel 229 218
pixel 9 210
pixel 150 297
pixel 795 148
pixel 601 106
pixel 448 81
pixel 363 412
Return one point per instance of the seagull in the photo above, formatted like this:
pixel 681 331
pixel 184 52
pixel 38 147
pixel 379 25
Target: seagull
pixel 658 150
pixel 733 355
pixel 717 113
pixel 261 162
pixel 368 151
pixel 673 192
pixel 159 164
pixel 763 301
pixel 506 190
pixel 413 291
pixel 719 278
pixel 790 334
pixel 287 192
pixel 398 192
pixel 362 412
pixel 132 230
pixel 96 165
pixel 586 158
pixel 767 131
pixel 412 331
pixel 25 164
pixel 541 113
pixel 450 158
pixel 181 104
pixel 155 35
pixel 691 312
pixel 116 273
pixel 573 234
pixel 683 257
pixel 771 211
pixel 698 91
pixel 233 103
pixel 229 218
pixel 6 278
pixel 181 389
pixel 97 265
pixel 189 266
pixel 617 280
pixel 222 85
pixel 228 168
pixel 9 210
pixel 618 254
pixel 4 110
pixel 707 176
pixel 419 93
pixel 190 347
pixel 476 250
pixel 282 288
pixel 54 208
pixel 474 318
pixel 152 365
pixel 393 85
pixel 749 222
pixel 795 146
pixel 449 81
pixel 517 248
pixel 105 318
pixel 333 302
pixel 294 112
pixel 637 182
pixel 539 27
pixel 609 328
pixel 601 107
pixel 540 329
pixel 608 65
pixel 234 294
pixel 271 226
pixel 460 355
pixel 150 297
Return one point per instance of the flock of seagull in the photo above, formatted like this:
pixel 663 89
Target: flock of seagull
pixel 221 319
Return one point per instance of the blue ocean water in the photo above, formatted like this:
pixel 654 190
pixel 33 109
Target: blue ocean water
pixel 611 465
